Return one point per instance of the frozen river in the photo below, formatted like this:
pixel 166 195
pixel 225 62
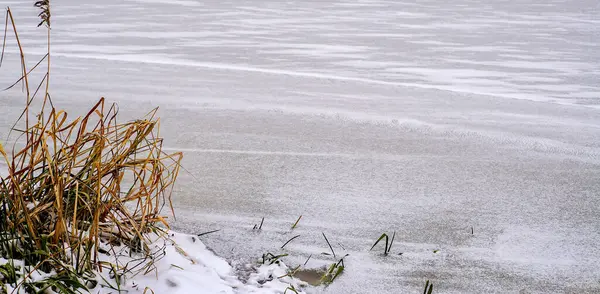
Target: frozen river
pixel 427 118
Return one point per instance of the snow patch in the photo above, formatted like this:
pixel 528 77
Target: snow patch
pixel 188 266
pixel 182 264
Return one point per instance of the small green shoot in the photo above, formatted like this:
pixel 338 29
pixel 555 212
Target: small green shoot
pixel 9 274
pixel 334 270
pixel 292 289
pixel 296 223
pixel 428 288
pixel 388 243
pixel 290 240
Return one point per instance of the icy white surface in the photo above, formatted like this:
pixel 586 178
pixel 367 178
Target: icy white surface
pixel 427 118
pixel 540 50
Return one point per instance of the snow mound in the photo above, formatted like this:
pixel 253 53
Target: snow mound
pixel 187 266
pixel 181 264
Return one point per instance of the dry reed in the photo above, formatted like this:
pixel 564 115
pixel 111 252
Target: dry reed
pixel 77 182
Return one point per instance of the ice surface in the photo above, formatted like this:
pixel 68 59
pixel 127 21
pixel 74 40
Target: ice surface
pixel 427 118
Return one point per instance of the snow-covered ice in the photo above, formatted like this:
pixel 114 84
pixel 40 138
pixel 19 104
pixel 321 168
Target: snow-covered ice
pixel 426 118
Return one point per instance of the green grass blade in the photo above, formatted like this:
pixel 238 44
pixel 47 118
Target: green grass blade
pixel 391 243
pixel 209 232
pixel 426 286
pixel 384 235
pixel 338 272
pixel 290 240
pixel 296 223
pixel 307 259
pixel 331 248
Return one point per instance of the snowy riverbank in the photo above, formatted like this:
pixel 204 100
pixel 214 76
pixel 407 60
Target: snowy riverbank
pixel 182 264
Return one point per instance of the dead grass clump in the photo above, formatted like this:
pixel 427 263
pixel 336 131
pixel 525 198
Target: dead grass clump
pixel 77 182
